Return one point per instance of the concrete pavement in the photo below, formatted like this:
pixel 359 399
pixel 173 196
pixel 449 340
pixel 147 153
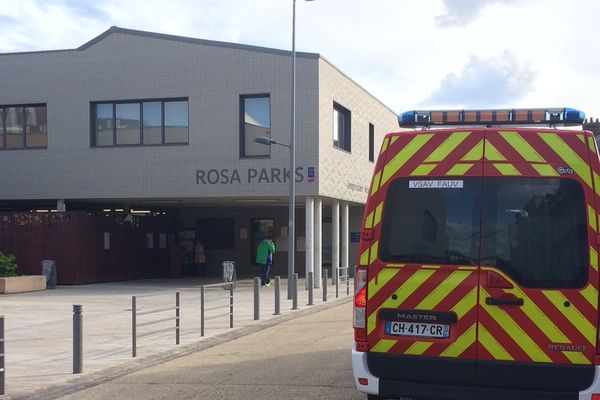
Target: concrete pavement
pixel 307 357
pixel 39 329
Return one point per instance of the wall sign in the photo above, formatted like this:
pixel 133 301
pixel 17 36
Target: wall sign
pixel 229 176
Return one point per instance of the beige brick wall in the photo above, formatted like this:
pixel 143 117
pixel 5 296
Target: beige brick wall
pixel 347 175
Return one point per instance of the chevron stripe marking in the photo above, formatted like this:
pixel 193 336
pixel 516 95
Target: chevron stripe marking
pixel 404 155
pixel 418 348
pixel 475 154
pixel 597 183
pixel 369 221
pixel 378 211
pixel 443 290
pixel 576 357
pixel 593 258
pixel 578 320
pixel 491 152
pixel 545 170
pixel 384 146
pixel 466 304
pixel 590 293
pixel 522 146
pixel 403 292
pixel 581 138
pixel 382 279
pixel 376 181
pixel 461 344
pixel 507 169
pixel 533 312
pixel 592 144
pixel 423 169
pixel 373 252
pixel 451 143
pixel 592 218
pixel 364 257
pixel 515 331
pixel 459 169
pixel 384 345
pixel 563 150
pixel 492 345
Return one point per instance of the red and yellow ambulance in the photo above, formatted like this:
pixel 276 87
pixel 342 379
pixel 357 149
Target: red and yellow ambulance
pixel 478 269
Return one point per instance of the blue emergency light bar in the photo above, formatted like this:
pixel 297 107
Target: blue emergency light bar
pixel 523 116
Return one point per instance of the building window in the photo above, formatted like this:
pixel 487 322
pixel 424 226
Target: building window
pixel 255 121
pixel 341 127
pixel 140 122
pixel 371 142
pixel 23 127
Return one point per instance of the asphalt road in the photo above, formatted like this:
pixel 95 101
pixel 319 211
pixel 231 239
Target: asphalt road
pixel 303 358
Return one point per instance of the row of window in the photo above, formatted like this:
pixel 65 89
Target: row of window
pixel 152 122
pixel 158 122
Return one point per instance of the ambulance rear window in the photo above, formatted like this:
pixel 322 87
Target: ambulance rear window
pixel 536 231
pixel 432 222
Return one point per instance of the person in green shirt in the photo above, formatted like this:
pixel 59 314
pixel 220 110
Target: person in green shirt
pixel 264 257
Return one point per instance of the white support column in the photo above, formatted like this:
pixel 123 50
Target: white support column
pixel 345 237
pixel 318 240
pixel 60 205
pixel 335 238
pixel 309 237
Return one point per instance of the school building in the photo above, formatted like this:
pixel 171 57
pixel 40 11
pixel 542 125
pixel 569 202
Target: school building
pixel 118 155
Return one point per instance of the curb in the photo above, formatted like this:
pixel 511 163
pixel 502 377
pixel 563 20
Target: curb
pixel 119 370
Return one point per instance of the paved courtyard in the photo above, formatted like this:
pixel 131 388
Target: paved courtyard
pixel 39 325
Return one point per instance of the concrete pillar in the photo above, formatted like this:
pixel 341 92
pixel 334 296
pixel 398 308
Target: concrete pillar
pixel 309 237
pixel 335 239
pixel 60 205
pixel 345 237
pixel 318 241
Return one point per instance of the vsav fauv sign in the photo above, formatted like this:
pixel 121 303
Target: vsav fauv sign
pixel 227 176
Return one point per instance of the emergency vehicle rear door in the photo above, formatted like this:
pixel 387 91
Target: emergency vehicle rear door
pixel 538 295
pixel 424 213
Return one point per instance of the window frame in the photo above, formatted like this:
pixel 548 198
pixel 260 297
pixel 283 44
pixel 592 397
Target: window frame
pixel 242 123
pixel 140 102
pixel 371 142
pixel 346 139
pixel 4 135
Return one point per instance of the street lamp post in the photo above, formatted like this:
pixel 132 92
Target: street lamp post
pixel 292 148
pixel 292 202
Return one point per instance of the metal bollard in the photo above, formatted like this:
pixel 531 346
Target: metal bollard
pixel 202 310
pixel 256 299
pixel 310 288
pixel 77 339
pixel 325 273
pixel 133 327
pixel 176 317
pixel 337 282
pixel 231 305
pixel 277 296
pixel 1 355
pixel 348 280
pixel 295 292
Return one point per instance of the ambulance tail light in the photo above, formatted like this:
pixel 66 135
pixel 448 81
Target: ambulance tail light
pixel 359 311
pixel 522 116
pixel 596 396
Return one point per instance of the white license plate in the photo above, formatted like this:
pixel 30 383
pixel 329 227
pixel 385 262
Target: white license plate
pixel 416 329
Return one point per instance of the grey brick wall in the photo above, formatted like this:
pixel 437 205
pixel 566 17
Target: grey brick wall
pixel 124 66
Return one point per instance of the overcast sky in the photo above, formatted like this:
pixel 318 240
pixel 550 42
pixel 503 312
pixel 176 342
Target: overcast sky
pixel 408 53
